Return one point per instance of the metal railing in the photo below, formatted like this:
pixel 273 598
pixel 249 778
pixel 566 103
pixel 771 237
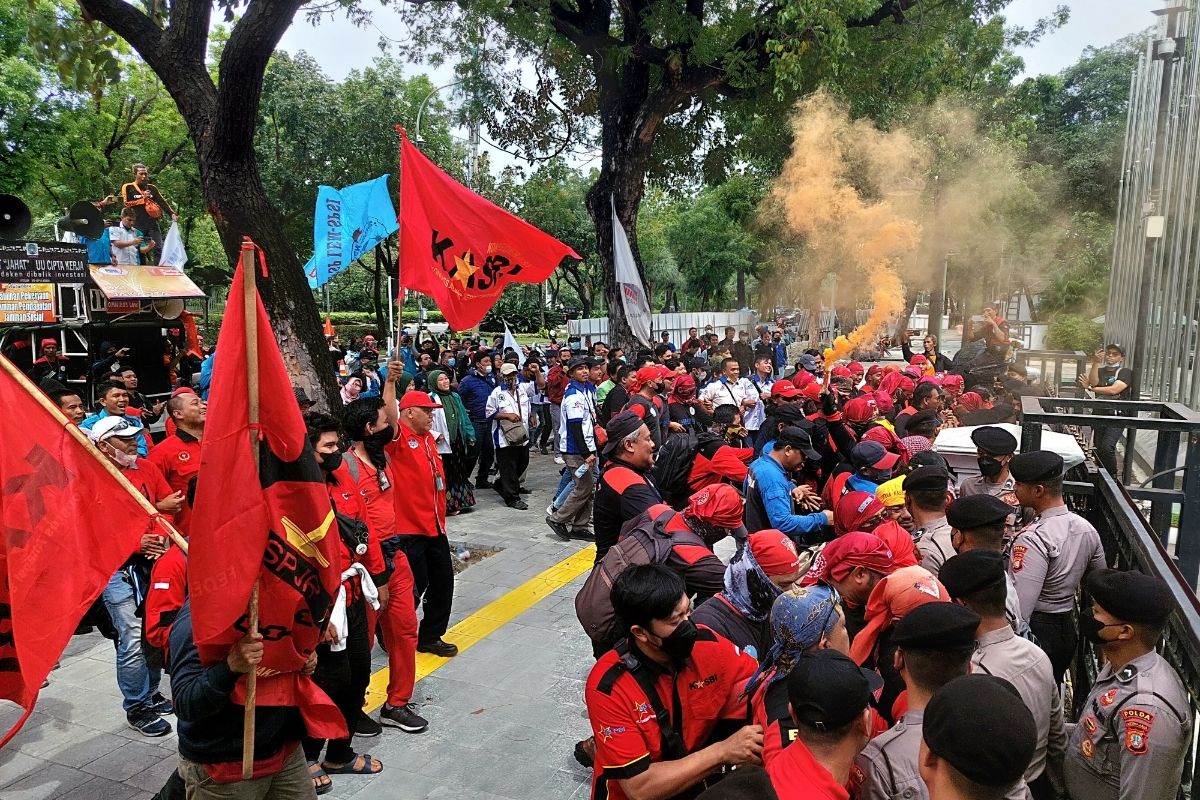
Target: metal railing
pixel 1050 364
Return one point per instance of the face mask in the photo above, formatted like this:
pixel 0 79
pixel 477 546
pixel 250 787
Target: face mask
pixel 450 362
pixel 123 459
pixel 678 646
pixel 989 467
pixel 331 461
pixel 380 437
pixel 1090 627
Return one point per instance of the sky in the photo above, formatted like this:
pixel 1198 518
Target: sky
pixel 340 47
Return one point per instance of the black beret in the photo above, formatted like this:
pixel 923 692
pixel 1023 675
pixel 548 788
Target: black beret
pixel 1036 466
pixel 927 458
pixel 619 427
pixel 1131 596
pixel 979 725
pixel 936 626
pixel 976 511
pixel 926 478
pixel 994 440
pixel 924 415
pixel 971 572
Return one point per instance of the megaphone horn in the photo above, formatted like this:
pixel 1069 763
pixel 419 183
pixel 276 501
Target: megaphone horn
pixel 84 219
pixel 169 309
pixel 15 218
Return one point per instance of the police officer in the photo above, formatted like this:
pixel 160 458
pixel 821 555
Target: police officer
pixel 935 643
pixel 978 739
pixel 925 496
pixel 977 580
pixel 1050 555
pixel 1136 724
pixel 978 523
pixel 994 449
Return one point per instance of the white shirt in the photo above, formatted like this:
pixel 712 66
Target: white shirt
pixel 125 256
pixel 439 427
pixel 760 388
pixel 722 393
pixel 502 401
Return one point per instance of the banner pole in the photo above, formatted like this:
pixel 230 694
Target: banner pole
pixel 13 372
pixel 250 309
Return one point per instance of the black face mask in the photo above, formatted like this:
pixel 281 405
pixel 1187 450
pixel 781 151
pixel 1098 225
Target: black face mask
pixel 331 461
pixel 380 437
pixel 989 467
pixel 678 646
pixel 1090 627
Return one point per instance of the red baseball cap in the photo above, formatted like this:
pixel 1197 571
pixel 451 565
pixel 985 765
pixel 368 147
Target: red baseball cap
pixel 811 391
pixel 646 374
pixel 774 552
pixel 666 372
pixel 416 399
pixel 784 390
pixel 719 504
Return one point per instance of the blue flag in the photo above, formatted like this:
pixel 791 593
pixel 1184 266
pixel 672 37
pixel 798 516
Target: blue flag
pixel 347 223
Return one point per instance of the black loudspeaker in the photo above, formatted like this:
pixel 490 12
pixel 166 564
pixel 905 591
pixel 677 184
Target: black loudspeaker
pixel 15 218
pixel 83 219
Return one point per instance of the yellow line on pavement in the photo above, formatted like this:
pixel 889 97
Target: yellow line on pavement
pixel 491 618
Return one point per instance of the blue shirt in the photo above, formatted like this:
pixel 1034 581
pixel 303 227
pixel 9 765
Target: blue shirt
pixel 474 390
pixel 206 371
pixel 88 422
pixel 858 483
pixel 775 489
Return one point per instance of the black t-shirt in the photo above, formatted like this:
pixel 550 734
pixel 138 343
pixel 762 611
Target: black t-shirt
pixel 690 415
pixel 1110 375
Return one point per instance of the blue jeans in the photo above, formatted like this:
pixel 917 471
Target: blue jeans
pixel 137 682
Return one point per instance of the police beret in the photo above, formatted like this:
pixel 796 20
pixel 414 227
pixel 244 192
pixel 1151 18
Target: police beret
pixel 1131 596
pixel 977 511
pixel 994 440
pixel 971 572
pixel 1036 466
pixel 936 626
pixel 925 415
pixel 981 727
pixel 927 458
pixel 926 478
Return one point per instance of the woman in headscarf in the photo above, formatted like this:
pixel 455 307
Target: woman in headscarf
pixel 859 511
pixel 351 388
pixel 762 568
pixel 455 442
pixel 684 408
pixel 887 437
pixel 803 619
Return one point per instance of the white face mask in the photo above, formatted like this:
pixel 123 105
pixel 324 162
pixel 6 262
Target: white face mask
pixel 123 459
pixel 487 369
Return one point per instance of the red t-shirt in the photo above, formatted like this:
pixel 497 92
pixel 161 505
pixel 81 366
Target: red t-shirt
pixel 628 737
pixel 381 503
pixel 796 775
pixel 347 499
pixel 416 465
pixel 178 457
pixel 166 595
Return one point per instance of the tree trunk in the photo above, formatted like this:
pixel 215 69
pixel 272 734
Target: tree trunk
pixel 741 288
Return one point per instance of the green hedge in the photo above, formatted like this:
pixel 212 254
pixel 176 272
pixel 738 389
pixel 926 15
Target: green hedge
pixel 1073 332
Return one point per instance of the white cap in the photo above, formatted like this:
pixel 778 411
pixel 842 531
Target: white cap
pixel 110 426
pixel 508 369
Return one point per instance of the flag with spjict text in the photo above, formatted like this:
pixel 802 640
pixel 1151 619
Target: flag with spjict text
pixel 347 223
pixel 461 249
pixel 274 525
pixel 66 526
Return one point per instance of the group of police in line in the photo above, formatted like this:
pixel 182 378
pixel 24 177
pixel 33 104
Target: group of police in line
pixel 983 712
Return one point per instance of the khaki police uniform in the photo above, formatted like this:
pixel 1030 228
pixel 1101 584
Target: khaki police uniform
pixel 886 769
pixel 934 543
pixel 978 484
pixel 1132 734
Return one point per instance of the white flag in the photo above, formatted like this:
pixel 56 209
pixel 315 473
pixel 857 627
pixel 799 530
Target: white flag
pixel 173 254
pixel 633 294
pixel 510 341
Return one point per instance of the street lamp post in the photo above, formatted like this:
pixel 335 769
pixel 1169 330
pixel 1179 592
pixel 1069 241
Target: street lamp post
pixel 421 110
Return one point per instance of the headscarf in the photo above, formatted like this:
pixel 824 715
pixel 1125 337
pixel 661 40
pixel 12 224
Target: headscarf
pixel 855 549
pixel 800 618
pixel 933 378
pixel 971 401
pixel 916 444
pixel 884 402
pixel 456 413
pixel 888 438
pixel 853 509
pixel 684 390
pixel 891 382
pixel 953 384
pixel 402 384
pixel 913 372
pixel 747 587
pixel 351 389
pixel 892 598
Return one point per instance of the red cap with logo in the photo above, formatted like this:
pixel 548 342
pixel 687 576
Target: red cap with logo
pixel 416 399
pixel 719 504
pixel 774 552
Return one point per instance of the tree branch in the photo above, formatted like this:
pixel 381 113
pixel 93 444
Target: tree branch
pixel 187 35
pixel 892 9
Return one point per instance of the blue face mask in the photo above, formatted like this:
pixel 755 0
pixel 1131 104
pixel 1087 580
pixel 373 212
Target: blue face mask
pixel 450 362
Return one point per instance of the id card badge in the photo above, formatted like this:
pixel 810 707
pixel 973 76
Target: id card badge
pixel 438 483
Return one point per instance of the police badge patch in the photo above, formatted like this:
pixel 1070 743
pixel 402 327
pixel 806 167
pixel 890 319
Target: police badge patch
pixel 1137 730
pixel 1018 557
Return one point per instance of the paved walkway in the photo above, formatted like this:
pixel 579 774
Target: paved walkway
pixel 504 715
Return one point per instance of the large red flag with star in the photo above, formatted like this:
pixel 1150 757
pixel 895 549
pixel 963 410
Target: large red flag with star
pixel 461 249
pixel 273 525
pixel 66 525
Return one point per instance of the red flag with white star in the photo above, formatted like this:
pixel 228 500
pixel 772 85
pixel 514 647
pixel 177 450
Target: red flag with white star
pixel 461 249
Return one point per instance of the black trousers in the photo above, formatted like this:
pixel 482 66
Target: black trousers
pixel 1057 636
pixel 343 675
pixel 433 580
pixel 1106 448
pixel 511 462
pixel 546 426
pixel 483 440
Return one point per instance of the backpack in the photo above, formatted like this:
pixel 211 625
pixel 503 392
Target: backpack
pixel 643 541
pixel 673 464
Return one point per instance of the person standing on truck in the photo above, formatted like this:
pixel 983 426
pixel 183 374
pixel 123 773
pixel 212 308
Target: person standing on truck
pixel 145 201
pixel 129 243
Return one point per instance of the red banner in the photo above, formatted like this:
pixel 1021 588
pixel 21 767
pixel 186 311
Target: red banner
pixel 66 526
pixel 275 525
pixel 461 249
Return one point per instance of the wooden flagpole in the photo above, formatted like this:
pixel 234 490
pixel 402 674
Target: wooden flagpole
pixel 250 310
pixel 11 370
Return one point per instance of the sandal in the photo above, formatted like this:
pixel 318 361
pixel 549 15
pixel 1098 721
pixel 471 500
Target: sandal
pixel 321 782
pixel 363 764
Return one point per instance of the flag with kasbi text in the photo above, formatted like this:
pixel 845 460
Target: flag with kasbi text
pixel 461 249
pixel 66 526
pixel 347 223
pixel 273 525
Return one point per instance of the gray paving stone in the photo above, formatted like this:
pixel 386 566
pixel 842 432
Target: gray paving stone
pixel 15 765
pixel 85 747
pixel 50 781
pixel 102 789
pixel 130 759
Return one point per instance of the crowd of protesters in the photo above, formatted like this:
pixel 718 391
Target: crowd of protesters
pixel 885 628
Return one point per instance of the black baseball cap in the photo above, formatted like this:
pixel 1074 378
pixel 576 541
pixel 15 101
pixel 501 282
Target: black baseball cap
pixel 827 689
pixel 793 436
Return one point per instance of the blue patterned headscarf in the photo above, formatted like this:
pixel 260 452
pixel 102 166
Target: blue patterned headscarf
pixel 747 587
pixel 800 617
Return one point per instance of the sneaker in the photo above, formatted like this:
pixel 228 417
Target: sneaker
pixel 519 505
pixel 402 717
pixel 366 727
pixel 523 490
pixel 559 460
pixel 161 705
pixel 438 647
pixel 482 484
pixel 558 528
pixel 551 509
pixel 545 450
pixel 147 723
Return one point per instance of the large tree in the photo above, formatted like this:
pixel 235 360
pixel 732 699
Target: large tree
pixel 664 81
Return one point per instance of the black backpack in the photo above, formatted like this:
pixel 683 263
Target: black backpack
pixel 673 464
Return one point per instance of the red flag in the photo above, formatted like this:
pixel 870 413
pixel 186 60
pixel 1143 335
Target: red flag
pixel 461 249
pixel 275 526
pixel 66 525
